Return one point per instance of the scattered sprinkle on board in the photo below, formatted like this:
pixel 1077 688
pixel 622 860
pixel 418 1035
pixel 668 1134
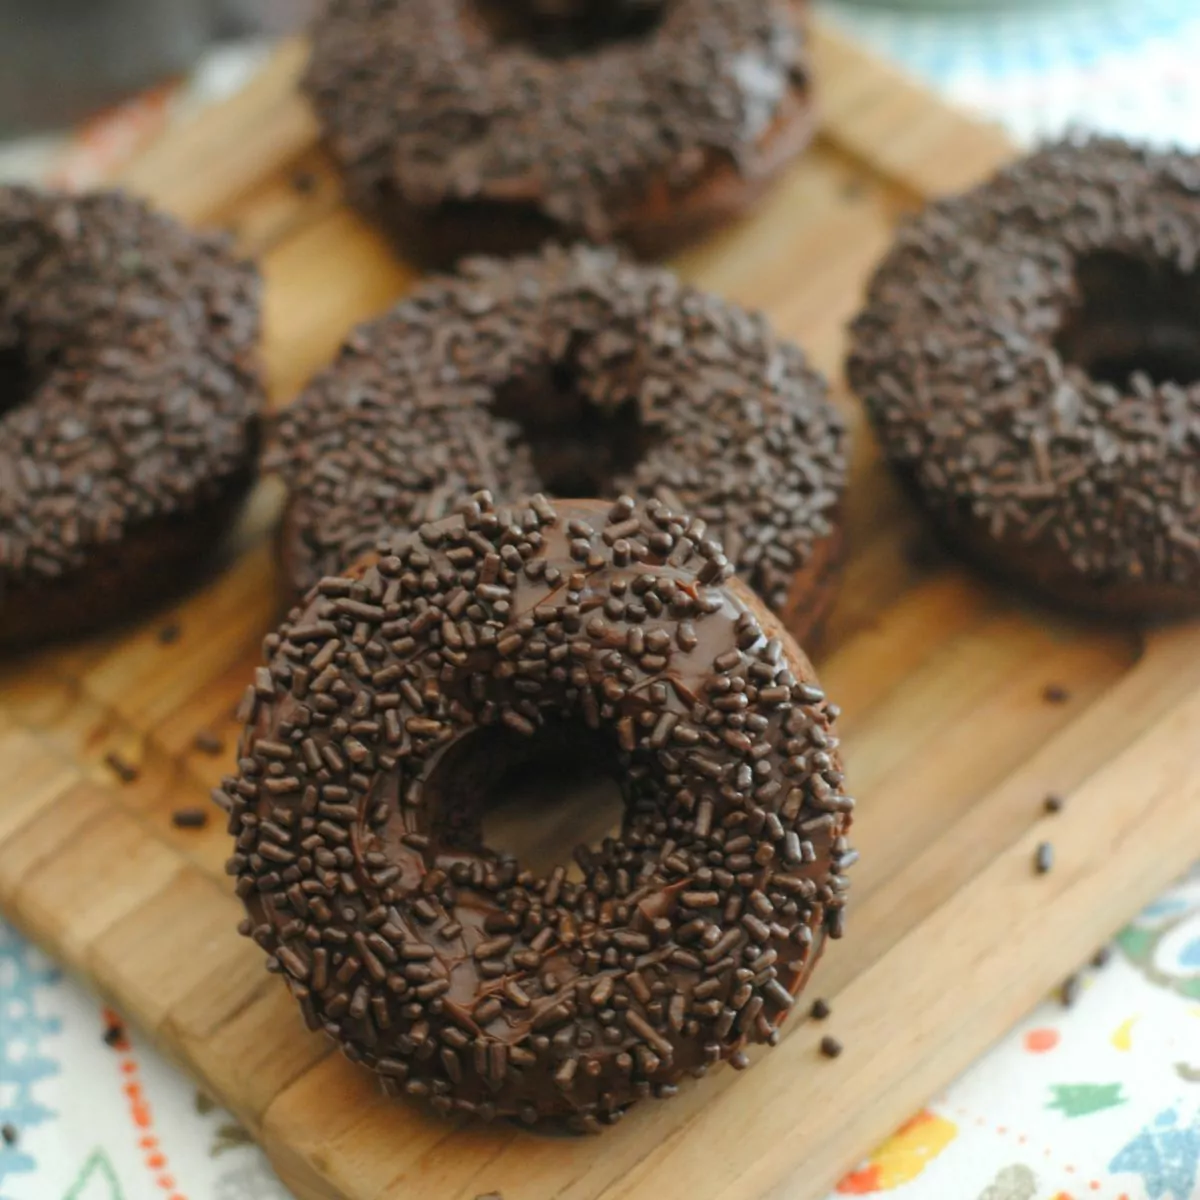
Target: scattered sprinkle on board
pixel 1043 858
pixel 208 742
pixel 831 1047
pixel 121 767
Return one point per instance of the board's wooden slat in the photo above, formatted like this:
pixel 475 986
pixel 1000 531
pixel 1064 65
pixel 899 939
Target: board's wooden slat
pixel 155 956
pixel 99 875
pixel 949 740
pixel 889 122
pixel 319 284
pixel 899 640
pixel 200 172
pixel 66 806
pixel 1165 674
pixel 257 1051
pixel 33 780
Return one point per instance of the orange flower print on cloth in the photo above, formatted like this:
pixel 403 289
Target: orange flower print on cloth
pixel 1041 1040
pixel 903 1156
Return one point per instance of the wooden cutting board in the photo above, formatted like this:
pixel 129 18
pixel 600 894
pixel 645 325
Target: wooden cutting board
pixel 950 739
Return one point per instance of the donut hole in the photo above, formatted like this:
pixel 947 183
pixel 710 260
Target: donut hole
pixel 18 378
pixel 533 798
pixel 579 447
pixel 562 28
pixel 494 226
pixel 1133 316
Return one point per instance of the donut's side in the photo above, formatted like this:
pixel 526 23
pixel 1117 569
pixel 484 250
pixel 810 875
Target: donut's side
pixel 154 562
pixel 664 222
pixel 814 589
pixel 1041 569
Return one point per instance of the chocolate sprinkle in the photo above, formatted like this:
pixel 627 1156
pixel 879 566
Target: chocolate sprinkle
pixel 1055 693
pixel 1028 356
pixel 9 1134
pixel 208 742
pixel 1069 990
pixel 831 1047
pixel 573 369
pixel 461 134
pixel 121 767
pixel 128 420
pixel 189 818
pixel 820 1010
pixel 114 1036
pixel 1053 803
pixel 304 183
pixel 1043 859
pixel 396 695
pixel 1102 957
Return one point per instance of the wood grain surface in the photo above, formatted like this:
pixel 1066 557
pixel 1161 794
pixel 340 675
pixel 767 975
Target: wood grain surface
pixel 949 740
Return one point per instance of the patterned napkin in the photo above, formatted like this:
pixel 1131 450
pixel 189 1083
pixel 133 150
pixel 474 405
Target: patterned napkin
pixel 1041 66
pixel 1096 1098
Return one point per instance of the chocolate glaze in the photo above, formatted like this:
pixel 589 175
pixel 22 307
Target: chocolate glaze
pixel 469 126
pixel 1029 356
pixel 576 372
pixel 392 697
pixel 129 401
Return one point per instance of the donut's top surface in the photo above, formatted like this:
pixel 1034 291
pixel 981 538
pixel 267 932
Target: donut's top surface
pixel 571 372
pixel 460 100
pixel 393 700
pixel 1030 354
pixel 128 375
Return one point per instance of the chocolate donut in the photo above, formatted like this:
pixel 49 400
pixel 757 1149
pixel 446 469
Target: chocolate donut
pixel 574 373
pixel 490 126
pixel 1030 356
pixel 393 699
pixel 129 402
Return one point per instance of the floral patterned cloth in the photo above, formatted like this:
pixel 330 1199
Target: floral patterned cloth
pixel 1040 66
pixel 1097 1100
pixel 1100 1099
pixel 93 1114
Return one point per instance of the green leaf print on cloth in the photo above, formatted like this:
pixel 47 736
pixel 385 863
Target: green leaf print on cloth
pixel 96 1180
pixel 1080 1099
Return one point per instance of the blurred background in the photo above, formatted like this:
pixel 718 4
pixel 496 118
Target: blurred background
pixel 1037 66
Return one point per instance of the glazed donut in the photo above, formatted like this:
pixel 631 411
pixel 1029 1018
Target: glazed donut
pixel 393 699
pixel 130 401
pixel 574 373
pixel 1029 355
pixel 491 126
